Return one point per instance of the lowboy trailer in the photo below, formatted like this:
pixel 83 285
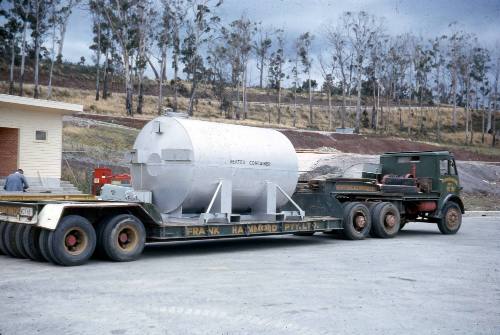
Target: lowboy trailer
pixel 195 180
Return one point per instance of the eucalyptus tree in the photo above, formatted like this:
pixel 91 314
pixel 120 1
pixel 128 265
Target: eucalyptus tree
pixel 261 47
pixel 342 56
pixel 54 20
pixel 38 22
pixel 304 43
pixel 479 75
pixel 494 104
pixel 121 16
pixel 275 70
pixel 363 28
pixel 438 62
pixel 9 37
pixel 328 71
pixel 199 27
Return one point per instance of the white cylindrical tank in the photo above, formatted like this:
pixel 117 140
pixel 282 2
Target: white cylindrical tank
pixel 182 161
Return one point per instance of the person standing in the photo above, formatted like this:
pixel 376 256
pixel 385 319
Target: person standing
pixel 16 182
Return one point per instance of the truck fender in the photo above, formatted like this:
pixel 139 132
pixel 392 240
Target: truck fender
pixel 455 199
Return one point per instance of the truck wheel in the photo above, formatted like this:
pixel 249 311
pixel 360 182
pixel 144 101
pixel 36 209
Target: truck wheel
pixel 9 239
pixel 3 251
pixel 123 238
pixel 31 243
pixel 451 220
pixel 43 241
pixel 19 240
pixel 386 220
pixel 73 242
pixel 357 221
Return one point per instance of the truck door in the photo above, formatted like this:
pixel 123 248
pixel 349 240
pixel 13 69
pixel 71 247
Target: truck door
pixel 448 176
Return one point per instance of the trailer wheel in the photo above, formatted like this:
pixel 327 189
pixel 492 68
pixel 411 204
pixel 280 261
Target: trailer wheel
pixel 357 221
pixel 73 242
pixel 3 251
pixel 9 240
pixel 123 238
pixel 31 244
pixel 19 240
pixel 451 220
pixel 386 220
pixel 48 255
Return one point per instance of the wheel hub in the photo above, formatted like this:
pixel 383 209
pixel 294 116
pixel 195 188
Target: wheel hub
pixel 360 222
pixel 123 238
pixel 452 217
pixel 390 220
pixel 71 240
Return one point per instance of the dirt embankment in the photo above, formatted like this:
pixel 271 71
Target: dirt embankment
pixel 351 143
pixel 374 145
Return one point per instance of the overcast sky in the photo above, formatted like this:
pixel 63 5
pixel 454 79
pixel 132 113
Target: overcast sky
pixel 422 17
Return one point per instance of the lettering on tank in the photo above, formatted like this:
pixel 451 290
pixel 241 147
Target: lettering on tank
pixel 251 163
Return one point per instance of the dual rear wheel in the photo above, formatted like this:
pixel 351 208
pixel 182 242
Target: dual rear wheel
pixel 120 238
pixel 381 220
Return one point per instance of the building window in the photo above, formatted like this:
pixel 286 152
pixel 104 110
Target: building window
pixel 41 135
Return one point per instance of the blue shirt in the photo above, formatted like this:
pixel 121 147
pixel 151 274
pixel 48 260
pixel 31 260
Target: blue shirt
pixel 16 182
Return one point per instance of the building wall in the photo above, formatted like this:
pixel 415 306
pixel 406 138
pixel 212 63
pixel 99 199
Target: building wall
pixel 36 158
pixel 9 145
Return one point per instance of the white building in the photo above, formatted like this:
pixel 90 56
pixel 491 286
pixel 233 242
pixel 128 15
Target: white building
pixel 31 137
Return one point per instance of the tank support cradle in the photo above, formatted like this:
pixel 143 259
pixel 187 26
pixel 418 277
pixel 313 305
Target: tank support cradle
pixel 265 208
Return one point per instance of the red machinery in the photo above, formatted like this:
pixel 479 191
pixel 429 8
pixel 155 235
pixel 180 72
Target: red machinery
pixel 102 176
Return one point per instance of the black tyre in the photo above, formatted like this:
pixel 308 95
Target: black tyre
pixel 99 229
pixel 386 220
pixel 9 240
pixel 123 238
pixel 73 242
pixel 357 221
pixel 305 233
pixel 43 242
pixel 451 220
pixel 31 244
pixel 402 225
pixel 19 240
pixel 3 251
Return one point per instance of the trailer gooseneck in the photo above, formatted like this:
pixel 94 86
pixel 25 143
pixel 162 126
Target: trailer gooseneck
pixel 200 180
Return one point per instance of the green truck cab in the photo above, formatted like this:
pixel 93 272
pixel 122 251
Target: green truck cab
pixel 404 187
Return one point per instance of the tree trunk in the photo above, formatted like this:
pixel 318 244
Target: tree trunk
pixel 454 92
pixel 23 58
pixel 12 63
pixel 245 106
pixel 358 102
pixel 64 25
pixel 163 65
pixel 105 78
pixel 295 104
pixel 330 116
pixel 261 79
pixel 52 53
pixel 192 96
pixel 128 84
pixel 311 116
pixel 343 113
pixel 36 91
pixel 438 126
pixel 140 97
pixel 98 60
pixel 279 103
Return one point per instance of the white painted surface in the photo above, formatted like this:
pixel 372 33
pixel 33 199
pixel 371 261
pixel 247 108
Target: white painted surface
pixel 183 164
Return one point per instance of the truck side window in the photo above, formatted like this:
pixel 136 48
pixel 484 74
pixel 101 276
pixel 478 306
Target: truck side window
pixel 443 167
pixel 453 167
